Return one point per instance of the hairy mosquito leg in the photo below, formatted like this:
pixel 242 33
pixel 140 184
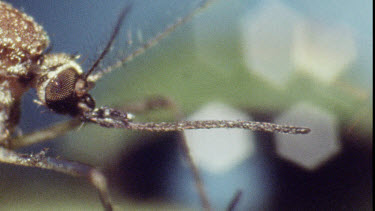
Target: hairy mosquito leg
pixel 162 102
pixel 76 169
pixel 197 177
pixel 46 134
pixel 235 200
pixel 112 118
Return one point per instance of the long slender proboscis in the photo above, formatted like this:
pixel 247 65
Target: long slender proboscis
pixel 209 124
pixel 112 118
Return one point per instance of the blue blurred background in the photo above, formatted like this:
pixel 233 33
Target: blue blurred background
pixel 293 62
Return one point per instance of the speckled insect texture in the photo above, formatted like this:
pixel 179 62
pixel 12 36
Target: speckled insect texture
pixel 22 41
pixel 62 86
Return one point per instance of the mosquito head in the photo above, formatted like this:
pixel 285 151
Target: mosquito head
pixel 62 86
pixel 68 93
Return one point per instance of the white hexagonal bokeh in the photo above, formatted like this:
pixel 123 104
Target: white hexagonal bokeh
pixel 311 150
pixel 218 150
pixel 277 40
pixel 267 37
pixel 323 51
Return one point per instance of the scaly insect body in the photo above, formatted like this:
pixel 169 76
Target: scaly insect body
pixel 62 86
pixel 22 42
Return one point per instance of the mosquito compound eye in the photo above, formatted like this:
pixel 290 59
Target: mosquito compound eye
pixel 62 86
pixel 60 92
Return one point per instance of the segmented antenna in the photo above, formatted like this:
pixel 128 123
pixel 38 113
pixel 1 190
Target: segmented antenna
pixel 152 42
pixel 115 31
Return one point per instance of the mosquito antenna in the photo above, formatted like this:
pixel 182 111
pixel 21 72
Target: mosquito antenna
pixel 115 31
pixel 153 41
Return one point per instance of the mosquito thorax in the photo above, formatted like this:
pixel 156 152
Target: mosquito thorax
pixel 61 85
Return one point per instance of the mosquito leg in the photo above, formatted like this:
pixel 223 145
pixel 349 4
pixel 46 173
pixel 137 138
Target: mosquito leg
pixel 162 102
pixel 195 171
pixel 46 134
pixel 235 200
pixel 76 169
pixel 112 118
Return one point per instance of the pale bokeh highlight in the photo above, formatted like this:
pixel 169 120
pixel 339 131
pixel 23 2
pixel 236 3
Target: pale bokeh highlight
pixel 312 150
pixel 218 150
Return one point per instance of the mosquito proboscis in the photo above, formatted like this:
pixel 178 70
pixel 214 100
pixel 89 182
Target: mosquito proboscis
pixel 62 86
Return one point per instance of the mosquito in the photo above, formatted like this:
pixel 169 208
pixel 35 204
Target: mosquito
pixel 63 87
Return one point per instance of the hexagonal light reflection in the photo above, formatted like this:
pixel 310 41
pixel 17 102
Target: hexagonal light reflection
pixel 278 40
pixel 323 51
pixel 218 150
pixel 311 150
pixel 267 36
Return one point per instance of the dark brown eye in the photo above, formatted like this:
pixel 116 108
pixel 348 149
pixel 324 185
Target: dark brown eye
pixel 60 92
pixel 62 86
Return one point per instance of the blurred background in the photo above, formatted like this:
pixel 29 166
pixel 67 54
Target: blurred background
pixel 306 63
